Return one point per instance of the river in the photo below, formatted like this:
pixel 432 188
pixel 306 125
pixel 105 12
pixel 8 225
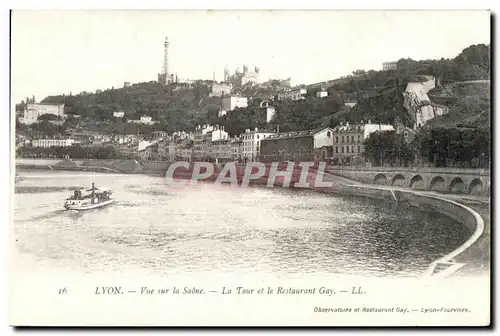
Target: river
pixel 152 229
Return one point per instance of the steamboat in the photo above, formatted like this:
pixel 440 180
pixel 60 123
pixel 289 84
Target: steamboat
pixel 89 199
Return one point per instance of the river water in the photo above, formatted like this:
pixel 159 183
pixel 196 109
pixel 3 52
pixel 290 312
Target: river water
pixel 152 229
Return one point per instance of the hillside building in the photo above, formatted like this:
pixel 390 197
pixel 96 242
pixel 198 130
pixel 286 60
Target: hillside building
pixel 52 143
pixel 389 66
pixel 322 94
pixel 244 77
pixel 268 110
pixel 292 94
pixel 409 134
pixel 146 120
pixel 232 102
pixel 33 111
pixel 220 89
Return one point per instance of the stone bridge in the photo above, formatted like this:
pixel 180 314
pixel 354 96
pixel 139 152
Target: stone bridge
pixel 448 180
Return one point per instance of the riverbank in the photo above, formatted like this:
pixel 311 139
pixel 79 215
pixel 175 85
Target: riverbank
pixel 472 260
pixel 476 258
pixel 473 256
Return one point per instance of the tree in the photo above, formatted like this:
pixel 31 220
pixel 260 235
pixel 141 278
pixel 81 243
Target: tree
pixel 21 106
pixel 465 148
pixel 48 116
pixel 359 72
pixel 388 148
pixel 212 113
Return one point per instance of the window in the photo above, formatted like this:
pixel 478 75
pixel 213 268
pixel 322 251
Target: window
pixel 336 139
pixel 352 149
pixel 342 149
pixel 336 149
pixel 359 138
pixel 347 149
pixel 359 149
pixel 352 138
pixel 406 134
pixel 257 136
pixel 328 134
pixel 343 140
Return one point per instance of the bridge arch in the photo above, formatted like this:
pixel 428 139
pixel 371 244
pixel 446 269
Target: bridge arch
pixel 380 179
pixel 417 182
pixel 457 186
pixel 475 187
pixel 398 180
pixel 437 184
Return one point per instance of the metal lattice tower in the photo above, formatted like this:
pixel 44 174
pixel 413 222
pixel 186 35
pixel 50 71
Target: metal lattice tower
pixel 165 57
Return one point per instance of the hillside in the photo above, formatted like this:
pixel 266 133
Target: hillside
pixel 469 103
pixel 378 93
pixel 449 93
pixel 290 115
pixel 480 120
pixel 464 87
pixel 175 107
pixel 473 63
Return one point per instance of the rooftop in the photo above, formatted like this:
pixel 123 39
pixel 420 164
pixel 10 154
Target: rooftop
pixel 294 134
pixel 355 127
pixel 47 104
pixel 221 141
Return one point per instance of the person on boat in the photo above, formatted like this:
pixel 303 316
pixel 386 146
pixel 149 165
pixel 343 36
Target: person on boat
pixel 77 194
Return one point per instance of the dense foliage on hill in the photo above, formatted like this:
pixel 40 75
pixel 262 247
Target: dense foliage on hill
pixel 378 94
pixel 473 63
pixel 384 107
pixel 480 120
pixel 465 101
pixel 290 115
pixel 175 107
pixel 183 108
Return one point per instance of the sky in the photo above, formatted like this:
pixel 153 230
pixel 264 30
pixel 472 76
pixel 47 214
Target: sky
pixel 56 52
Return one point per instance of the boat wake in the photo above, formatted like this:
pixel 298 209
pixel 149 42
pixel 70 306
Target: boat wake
pixel 125 204
pixel 151 192
pixel 36 189
pixel 51 214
